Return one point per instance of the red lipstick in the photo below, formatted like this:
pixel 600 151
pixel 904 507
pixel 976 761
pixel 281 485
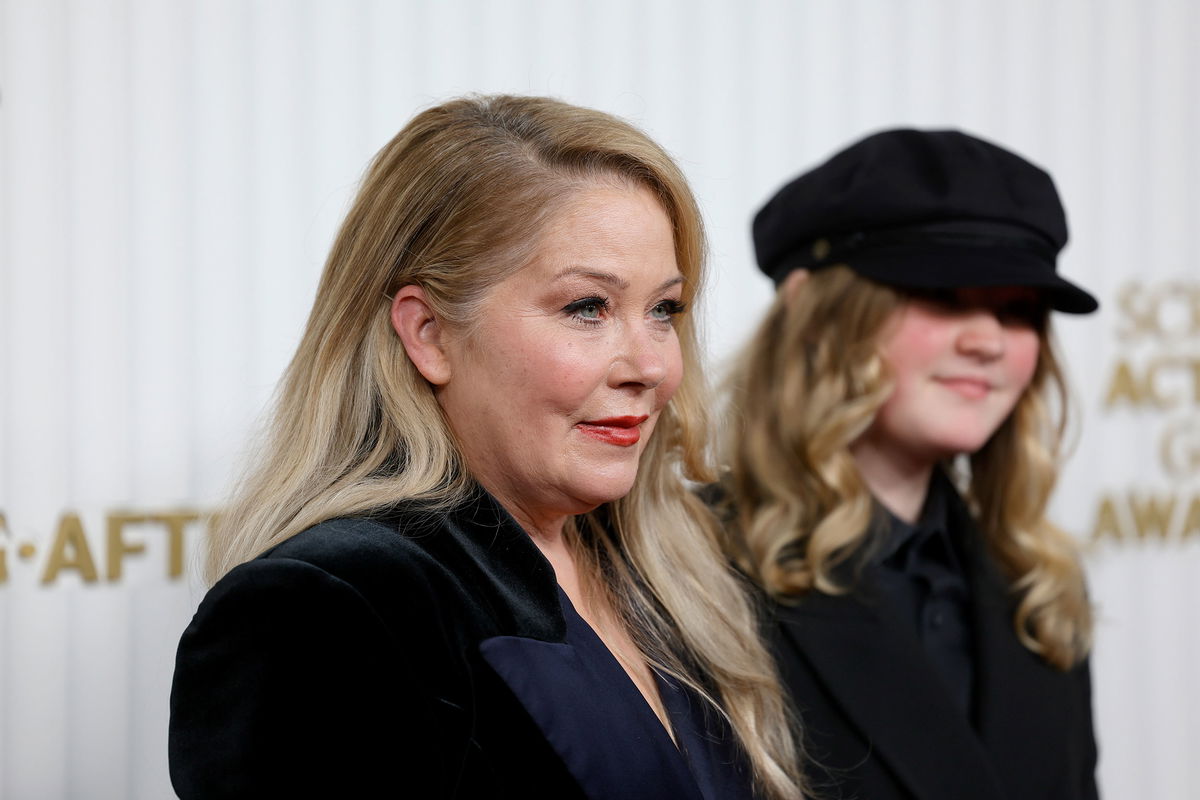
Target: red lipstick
pixel 621 431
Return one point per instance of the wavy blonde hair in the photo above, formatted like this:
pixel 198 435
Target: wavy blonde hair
pixel 454 204
pixel 808 385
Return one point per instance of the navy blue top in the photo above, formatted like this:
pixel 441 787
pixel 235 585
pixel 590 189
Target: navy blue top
pixel 703 740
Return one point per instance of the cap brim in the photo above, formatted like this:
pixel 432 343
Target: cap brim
pixel 948 267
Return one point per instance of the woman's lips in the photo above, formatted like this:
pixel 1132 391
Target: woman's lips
pixel 621 431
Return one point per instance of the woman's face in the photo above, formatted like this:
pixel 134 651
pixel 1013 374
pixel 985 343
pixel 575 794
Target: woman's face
pixel 556 393
pixel 960 361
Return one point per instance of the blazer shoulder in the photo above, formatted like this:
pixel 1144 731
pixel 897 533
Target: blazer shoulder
pixel 348 538
pixel 355 549
pixel 377 564
pixel 280 679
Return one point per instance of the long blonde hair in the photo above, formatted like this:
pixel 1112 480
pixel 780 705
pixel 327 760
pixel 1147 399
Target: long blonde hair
pixel 808 385
pixel 454 204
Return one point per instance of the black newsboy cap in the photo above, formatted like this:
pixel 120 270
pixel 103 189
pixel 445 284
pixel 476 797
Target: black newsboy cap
pixel 923 210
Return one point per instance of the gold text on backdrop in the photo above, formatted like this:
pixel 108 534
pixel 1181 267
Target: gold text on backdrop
pixel 99 558
pixel 1155 382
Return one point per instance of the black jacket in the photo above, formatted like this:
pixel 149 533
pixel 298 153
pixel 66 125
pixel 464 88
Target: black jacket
pixel 421 655
pixel 880 725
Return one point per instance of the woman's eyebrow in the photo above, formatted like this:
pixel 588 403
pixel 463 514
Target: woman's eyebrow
pixel 612 279
pixel 603 277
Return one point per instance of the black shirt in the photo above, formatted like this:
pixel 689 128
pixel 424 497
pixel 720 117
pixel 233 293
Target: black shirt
pixel 922 577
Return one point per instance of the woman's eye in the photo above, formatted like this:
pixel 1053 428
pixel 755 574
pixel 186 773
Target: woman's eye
pixel 590 309
pixel 666 309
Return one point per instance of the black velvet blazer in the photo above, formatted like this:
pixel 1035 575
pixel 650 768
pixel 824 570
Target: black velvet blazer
pixel 881 726
pixel 421 655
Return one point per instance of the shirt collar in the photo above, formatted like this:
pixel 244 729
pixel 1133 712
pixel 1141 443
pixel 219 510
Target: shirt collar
pixel 895 533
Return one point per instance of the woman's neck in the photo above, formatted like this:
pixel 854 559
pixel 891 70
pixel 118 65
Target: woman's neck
pixel 546 532
pixel 896 479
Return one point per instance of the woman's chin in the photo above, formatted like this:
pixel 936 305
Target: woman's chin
pixel 597 492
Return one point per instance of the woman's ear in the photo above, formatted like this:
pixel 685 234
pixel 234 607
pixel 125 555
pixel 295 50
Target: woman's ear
pixel 792 283
pixel 421 333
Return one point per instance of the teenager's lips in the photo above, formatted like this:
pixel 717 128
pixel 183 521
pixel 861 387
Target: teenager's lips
pixel 619 431
pixel 968 386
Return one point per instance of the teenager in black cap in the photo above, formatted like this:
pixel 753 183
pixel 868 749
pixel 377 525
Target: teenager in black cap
pixel 893 443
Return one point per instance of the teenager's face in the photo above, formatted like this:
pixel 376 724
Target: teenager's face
pixel 960 361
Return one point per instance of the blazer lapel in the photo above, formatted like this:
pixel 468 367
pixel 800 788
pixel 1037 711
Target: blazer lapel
pixel 567 696
pixel 1022 715
pixel 887 688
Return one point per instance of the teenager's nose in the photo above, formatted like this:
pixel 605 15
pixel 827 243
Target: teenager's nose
pixel 982 335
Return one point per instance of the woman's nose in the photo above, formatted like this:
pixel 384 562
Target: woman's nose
pixel 982 335
pixel 641 360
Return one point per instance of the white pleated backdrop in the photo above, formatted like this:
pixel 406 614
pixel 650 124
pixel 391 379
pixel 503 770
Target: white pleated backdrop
pixel 171 174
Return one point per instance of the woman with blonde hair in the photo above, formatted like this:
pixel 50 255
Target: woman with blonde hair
pixel 894 439
pixel 466 564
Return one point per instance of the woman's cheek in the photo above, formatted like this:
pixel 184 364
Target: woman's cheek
pixel 674 373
